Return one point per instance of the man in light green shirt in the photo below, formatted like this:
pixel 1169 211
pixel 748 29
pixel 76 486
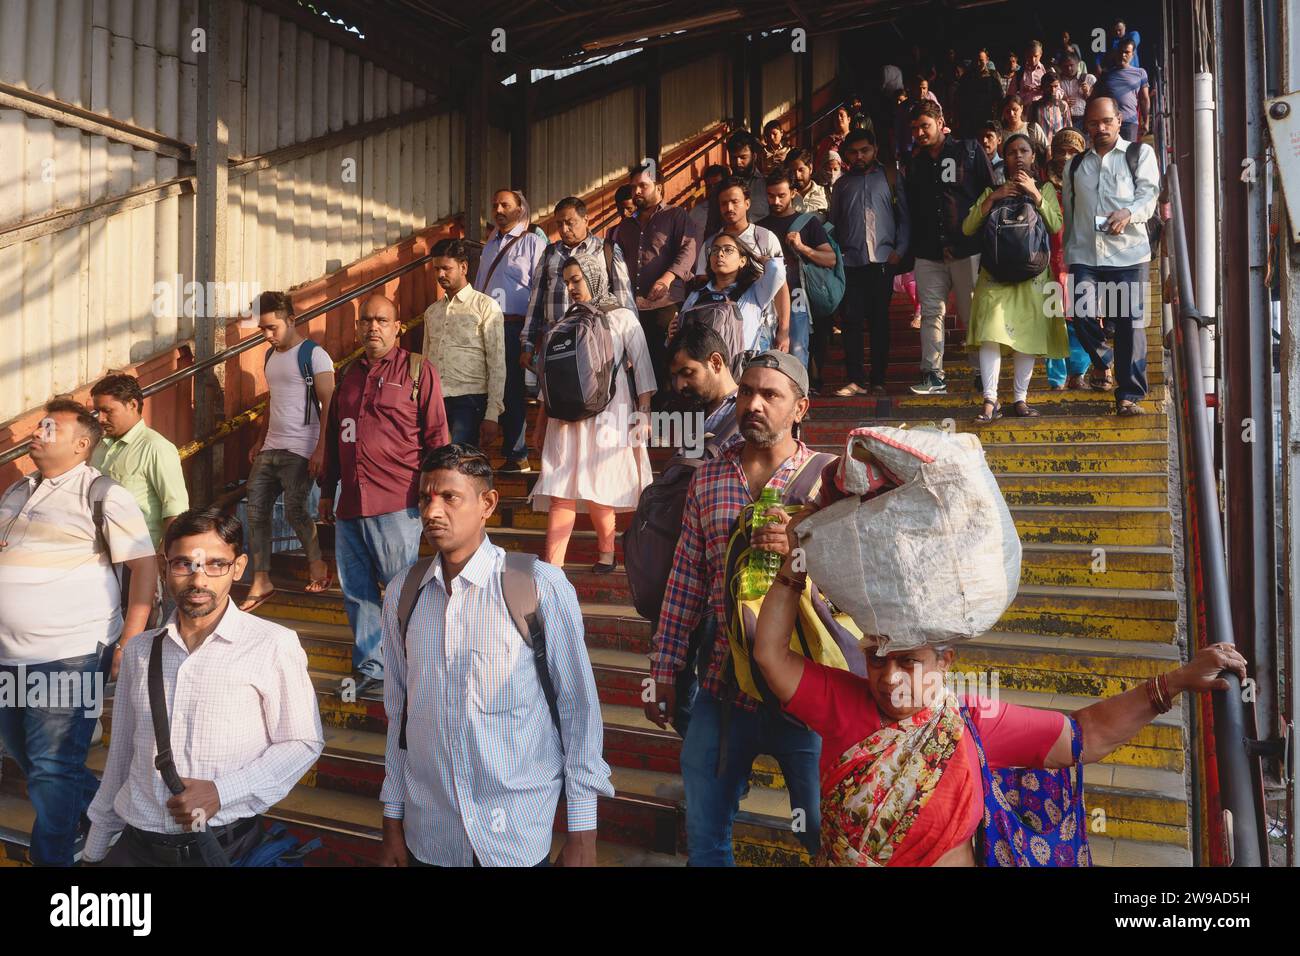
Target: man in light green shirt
pixel 136 456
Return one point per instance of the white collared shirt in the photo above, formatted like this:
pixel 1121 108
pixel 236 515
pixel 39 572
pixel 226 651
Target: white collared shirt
pixel 243 715
pixel 59 599
pixel 1098 187
pixel 485 766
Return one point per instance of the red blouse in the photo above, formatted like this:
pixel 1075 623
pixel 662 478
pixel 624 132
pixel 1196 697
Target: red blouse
pixel 838 705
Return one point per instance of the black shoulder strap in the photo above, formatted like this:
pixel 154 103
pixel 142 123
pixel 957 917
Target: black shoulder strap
pixel 95 495
pixel 608 249
pixel 519 589
pixel 410 593
pixel 304 369
pixel 1133 156
pixel 162 731
pixel 209 849
pixel 1074 165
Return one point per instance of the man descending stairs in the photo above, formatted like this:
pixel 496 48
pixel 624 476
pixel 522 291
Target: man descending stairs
pixel 1097 613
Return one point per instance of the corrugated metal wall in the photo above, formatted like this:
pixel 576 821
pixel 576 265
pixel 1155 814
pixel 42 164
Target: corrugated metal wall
pixel 286 224
pixel 826 59
pixel 693 98
pixel 780 86
pixel 578 151
pixel 78 301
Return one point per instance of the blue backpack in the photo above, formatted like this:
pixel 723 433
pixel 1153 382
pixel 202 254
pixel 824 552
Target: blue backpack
pixel 310 401
pixel 823 285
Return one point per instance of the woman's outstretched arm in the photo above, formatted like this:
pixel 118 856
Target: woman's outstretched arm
pixel 1109 723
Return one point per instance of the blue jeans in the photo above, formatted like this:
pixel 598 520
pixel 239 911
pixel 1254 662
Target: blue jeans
pixel 513 423
pixel 50 745
pixel 1121 299
pixel 712 800
pixel 800 324
pixel 1076 364
pixel 1129 131
pixel 464 416
pixel 369 553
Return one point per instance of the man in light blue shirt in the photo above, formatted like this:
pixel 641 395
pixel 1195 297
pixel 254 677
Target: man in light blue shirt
pixel 488 758
pixel 1108 199
pixel 505 272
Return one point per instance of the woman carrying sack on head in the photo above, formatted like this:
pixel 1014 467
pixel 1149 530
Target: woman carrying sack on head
pixel 913 775
pixel 595 465
pixel 1015 315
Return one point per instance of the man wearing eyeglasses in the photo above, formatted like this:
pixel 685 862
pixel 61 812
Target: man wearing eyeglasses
pixel 244 722
pixel 61 611
pixel 387 413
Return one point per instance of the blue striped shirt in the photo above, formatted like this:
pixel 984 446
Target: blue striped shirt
pixel 485 767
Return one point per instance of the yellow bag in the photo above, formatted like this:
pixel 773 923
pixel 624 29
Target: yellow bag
pixel 822 633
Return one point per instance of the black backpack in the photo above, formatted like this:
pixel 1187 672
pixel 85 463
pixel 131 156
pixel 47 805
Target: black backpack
pixel 1015 243
pixel 718 311
pixel 1132 156
pixel 651 538
pixel 576 373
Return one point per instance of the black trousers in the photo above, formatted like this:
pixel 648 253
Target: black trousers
pixel 654 323
pixel 867 291
pixel 141 848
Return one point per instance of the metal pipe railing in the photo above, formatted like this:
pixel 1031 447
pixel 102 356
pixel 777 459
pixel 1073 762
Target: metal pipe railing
pixel 180 375
pixel 1237 780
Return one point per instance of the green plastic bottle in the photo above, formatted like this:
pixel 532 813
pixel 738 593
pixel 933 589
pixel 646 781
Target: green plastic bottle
pixel 761 566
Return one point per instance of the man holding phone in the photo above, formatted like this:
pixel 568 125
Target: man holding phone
pixel 1108 199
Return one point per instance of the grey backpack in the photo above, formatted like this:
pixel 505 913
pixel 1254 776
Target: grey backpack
pixel 578 364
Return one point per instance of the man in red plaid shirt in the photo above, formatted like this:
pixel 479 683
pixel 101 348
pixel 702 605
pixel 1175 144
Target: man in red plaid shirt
pixel 771 400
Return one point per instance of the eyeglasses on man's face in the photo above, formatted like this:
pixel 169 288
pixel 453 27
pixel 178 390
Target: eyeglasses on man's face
pixel 213 567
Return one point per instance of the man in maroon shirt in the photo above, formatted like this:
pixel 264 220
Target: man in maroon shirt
pixel 660 244
pixel 386 415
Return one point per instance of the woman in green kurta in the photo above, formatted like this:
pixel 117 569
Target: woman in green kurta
pixel 1019 316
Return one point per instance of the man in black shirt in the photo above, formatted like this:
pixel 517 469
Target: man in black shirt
pixel 808 243
pixel 944 178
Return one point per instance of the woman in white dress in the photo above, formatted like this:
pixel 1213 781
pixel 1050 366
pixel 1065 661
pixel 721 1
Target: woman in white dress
pixel 598 465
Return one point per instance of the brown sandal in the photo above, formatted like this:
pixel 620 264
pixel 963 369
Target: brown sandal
pixel 993 415
pixel 1023 410
pixel 1104 383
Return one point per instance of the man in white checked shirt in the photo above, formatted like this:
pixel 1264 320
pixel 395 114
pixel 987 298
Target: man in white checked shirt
pixel 484 766
pixel 244 720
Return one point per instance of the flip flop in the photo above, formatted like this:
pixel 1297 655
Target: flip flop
pixel 324 585
pixel 257 602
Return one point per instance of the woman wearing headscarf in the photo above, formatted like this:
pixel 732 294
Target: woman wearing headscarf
pixel 1014 315
pixel 1068 372
pixel 594 465
pixel 903 757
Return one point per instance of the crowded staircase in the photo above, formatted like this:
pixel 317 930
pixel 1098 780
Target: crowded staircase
pixel 1096 613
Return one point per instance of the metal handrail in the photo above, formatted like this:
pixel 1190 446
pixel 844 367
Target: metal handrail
pixel 1237 782
pixel 667 171
pixel 180 375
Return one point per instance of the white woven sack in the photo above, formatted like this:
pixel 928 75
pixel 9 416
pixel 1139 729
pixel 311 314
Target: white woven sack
pixel 932 561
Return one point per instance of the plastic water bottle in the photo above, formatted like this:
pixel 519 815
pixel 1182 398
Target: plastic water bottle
pixel 762 566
